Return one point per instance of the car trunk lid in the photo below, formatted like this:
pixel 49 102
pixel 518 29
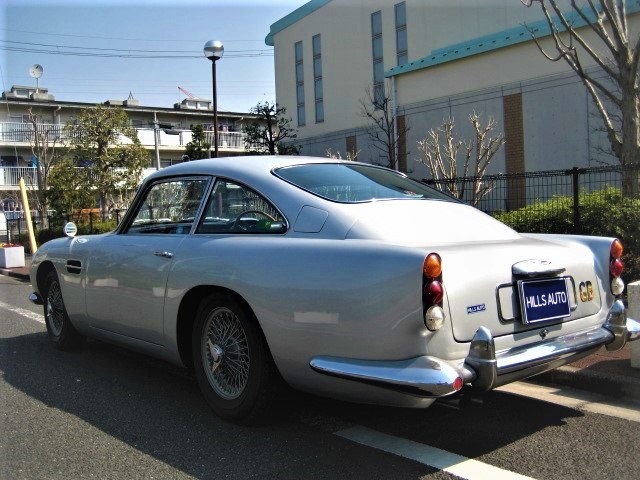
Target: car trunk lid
pixel 489 270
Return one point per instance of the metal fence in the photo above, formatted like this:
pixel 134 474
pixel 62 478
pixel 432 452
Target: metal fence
pixel 13 227
pixel 509 192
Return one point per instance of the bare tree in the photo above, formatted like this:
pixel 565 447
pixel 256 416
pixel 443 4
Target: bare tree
pixel 442 152
pixel 616 53
pixel 377 109
pixel 351 156
pixel 43 148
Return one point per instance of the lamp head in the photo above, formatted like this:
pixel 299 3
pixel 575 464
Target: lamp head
pixel 213 50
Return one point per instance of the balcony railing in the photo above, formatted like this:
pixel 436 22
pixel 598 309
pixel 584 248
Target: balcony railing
pixel 10 176
pixel 23 133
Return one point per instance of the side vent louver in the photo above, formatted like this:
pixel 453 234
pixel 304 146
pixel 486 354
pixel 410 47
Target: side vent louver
pixel 74 266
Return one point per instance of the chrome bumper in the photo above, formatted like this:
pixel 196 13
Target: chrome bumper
pixel 422 376
pixel 483 368
pixel 36 298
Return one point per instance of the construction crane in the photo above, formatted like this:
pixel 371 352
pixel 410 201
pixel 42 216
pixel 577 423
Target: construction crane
pixel 187 93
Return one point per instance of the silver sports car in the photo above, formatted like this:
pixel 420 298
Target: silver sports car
pixel 344 279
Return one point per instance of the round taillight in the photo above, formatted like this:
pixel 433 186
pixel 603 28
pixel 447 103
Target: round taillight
pixel 458 384
pixel 433 293
pixel 616 267
pixel 616 249
pixel 617 286
pixel 432 267
pixel 434 318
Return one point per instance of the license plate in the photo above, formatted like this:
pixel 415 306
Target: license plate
pixel 544 300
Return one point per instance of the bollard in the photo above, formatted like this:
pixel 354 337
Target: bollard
pixel 633 297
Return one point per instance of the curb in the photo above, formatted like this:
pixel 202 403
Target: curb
pixel 10 273
pixel 608 384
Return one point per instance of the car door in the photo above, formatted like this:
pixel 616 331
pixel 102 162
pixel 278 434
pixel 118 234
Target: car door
pixel 127 273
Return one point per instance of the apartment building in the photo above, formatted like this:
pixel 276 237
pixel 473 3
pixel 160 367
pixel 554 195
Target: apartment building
pixel 164 132
pixel 436 59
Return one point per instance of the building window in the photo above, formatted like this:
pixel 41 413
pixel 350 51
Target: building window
pixel 317 78
pixel 378 65
pixel 401 34
pixel 300 83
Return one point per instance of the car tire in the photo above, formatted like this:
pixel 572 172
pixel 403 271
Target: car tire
pixel 61 331
pixel 231 360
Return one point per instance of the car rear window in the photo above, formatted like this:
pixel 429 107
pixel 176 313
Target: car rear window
pixel 346 183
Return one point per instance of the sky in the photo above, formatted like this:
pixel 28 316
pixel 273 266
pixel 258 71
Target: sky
pixel 93 51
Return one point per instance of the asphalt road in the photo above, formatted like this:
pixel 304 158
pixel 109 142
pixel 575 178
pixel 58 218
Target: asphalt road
pixel 108 413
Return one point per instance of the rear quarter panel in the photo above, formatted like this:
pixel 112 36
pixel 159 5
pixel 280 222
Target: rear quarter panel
pixel 349 298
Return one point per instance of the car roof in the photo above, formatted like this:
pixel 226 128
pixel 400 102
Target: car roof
pixel 241 166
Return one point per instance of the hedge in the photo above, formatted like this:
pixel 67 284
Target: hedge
pixel 604 213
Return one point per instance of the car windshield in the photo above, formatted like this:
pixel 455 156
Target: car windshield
pixel 355 183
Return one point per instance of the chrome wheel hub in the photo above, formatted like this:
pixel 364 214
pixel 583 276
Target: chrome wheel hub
pixel 216 355
pixel 225 353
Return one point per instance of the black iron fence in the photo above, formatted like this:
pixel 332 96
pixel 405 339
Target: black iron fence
pixel 507 192
pixel 13 226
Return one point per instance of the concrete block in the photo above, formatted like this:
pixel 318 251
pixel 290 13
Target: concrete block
pixel 633 311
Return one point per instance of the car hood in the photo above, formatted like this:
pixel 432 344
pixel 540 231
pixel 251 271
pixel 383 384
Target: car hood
pixel 425 222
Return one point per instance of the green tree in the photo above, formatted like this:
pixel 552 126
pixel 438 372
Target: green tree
pixel 107 148
pixel 198 147
pixel 69 193
pixel 271 132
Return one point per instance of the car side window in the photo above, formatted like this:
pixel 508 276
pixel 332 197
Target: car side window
pixel 235 208
pixel 169 207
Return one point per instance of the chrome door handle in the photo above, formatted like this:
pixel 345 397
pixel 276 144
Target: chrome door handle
pixel 163 254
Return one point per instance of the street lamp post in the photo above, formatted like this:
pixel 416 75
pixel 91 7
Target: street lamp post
pixel 214 50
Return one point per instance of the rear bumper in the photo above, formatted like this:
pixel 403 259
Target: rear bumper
pixel 483 368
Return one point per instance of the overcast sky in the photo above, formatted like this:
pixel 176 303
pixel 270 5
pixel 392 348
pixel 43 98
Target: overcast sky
pixel 86 47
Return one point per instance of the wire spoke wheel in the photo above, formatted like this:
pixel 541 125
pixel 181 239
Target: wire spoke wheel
pixel 225 353
pixel 61 331
pixel 231 359
pixel 55 308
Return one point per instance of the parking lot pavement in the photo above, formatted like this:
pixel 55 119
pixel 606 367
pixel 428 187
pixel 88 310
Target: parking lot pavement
pixel 607 373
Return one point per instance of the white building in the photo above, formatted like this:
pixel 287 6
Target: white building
pixel 164 132
pixel 438 58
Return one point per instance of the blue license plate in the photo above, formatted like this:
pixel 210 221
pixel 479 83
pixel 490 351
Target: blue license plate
pixel 544 300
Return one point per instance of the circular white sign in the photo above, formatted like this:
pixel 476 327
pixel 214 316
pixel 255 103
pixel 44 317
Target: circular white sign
pixel 70 229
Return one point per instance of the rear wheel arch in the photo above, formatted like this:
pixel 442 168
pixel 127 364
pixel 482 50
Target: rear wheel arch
pixel 187 317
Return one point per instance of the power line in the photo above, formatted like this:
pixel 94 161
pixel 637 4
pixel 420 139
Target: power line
pixel 125 55
pixel 121 38
pixel 232 52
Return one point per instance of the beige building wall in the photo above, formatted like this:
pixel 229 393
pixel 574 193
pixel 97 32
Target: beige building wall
pixel 518 63
pixel 347 63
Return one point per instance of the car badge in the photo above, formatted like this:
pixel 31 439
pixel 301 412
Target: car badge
pixel 476 308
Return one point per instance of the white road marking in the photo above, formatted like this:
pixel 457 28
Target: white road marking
pixel 577 399
pixel 38 317
pixel 434 457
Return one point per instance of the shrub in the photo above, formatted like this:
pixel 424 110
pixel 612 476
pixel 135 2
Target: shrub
pixel 605 213
pixel 47 234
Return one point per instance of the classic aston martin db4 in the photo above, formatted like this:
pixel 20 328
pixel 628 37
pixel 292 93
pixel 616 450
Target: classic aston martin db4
pixel 344 279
